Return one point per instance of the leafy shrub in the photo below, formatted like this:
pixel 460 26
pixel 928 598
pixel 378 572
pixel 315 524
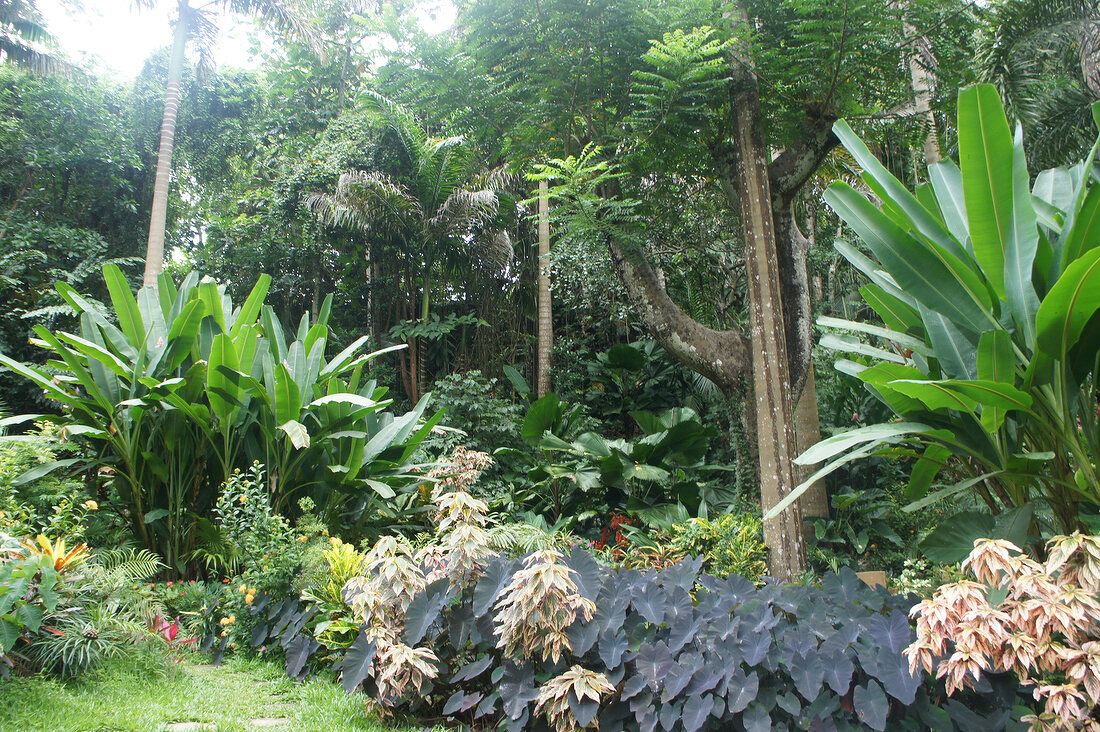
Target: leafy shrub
pixel 47 503
pixel 472 403
pixel 1037 621
pixel 65 611
pixel 455 631
pixel 187 387
pixel 731 544
pixel 986 288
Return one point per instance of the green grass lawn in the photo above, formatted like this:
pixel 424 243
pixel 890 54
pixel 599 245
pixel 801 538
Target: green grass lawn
pixel 116 698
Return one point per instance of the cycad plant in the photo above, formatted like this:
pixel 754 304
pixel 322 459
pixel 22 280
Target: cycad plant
pixel 988 287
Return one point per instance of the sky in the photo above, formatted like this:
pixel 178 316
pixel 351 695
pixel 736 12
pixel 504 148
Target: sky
pixel 117 38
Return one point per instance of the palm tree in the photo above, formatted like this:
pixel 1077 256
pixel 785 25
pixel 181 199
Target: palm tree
pixel 1044 58
pixel 23 38
pixel 199 24
pixel 439 210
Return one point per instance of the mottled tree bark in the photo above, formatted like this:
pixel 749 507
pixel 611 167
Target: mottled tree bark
pixel 546 320
pixel 771 380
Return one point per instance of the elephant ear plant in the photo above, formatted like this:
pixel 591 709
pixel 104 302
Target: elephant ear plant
pixel 181 387
pixel 988 286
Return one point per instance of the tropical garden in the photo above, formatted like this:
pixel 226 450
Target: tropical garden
pixel 576 364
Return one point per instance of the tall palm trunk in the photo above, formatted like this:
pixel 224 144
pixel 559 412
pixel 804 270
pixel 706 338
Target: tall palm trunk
pixel 546 320
pixel 771 381
pixel 154 250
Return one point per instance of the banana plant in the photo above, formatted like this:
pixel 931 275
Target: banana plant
pixel 182 387
pixel 988 289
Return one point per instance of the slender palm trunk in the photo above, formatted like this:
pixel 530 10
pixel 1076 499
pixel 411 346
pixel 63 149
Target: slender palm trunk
pixel 546 320
pixel 771 381
pixel 154 250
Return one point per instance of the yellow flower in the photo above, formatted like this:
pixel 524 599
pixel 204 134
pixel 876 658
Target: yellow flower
pixel 91 505
pixel 243 498
pixel 265 567
pixel 232 619
pixel 302 538
pixel 224 633
pixel 253 591
pixel 248 599
pixel 242 589
pixel 224 621
pixel 232 645
pixel 335 541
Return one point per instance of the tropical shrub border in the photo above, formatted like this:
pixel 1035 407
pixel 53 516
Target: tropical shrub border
pixel 989 292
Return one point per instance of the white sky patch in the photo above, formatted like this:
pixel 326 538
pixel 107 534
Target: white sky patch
pixel 116 38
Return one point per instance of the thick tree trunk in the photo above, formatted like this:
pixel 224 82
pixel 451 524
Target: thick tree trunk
pixel 546 320
pixel 720 355
pixel 771 382
pixel 154 249
pixel 807 426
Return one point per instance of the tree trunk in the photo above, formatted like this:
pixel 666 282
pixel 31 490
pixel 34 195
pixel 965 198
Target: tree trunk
pixel 921 65
pixel 807 425
pixel 546 320
pixel 771 382
pixel 154 249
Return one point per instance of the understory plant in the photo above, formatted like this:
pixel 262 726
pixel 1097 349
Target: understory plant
pixel 1037 621
pixel 177 387
pixel 453 630
pixel 988 289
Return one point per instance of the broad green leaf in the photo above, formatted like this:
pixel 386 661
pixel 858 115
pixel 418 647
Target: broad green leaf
pixel 894 193
pixel 953 540
pixel 996 363
pixel 925 470
pixel 1069 305
pixel 990 393
pixel 897 314
pixel 935 395
pixel 933 277
pixel 45 469
pixel 345 398
pixel 985 157
pixel 847 344
pixel 845 440
pixel 1084 231
pixel 945 493
pixel 901 339
pixel 297 432
pixel 541 416
pixel 956 351
pixel 126 307
pixel 946 180
pixel 222 355
pixel 250 310
pixel 1021 244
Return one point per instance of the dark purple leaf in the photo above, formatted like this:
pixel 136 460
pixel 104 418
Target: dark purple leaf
pixel 473 669
pixel 582 636
pixel 356 665
pixel 741 690
pixel 871 705
pixel 586 573
pixel 808 674
pixel 838 672
pixel 425 609
pixel 756 719
pixel 612 646
pixel 459 702
pixel 650 601
pixel 654 662
pixel 584 710
pixel 669 715
pixel 755 646
pixel 696 711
